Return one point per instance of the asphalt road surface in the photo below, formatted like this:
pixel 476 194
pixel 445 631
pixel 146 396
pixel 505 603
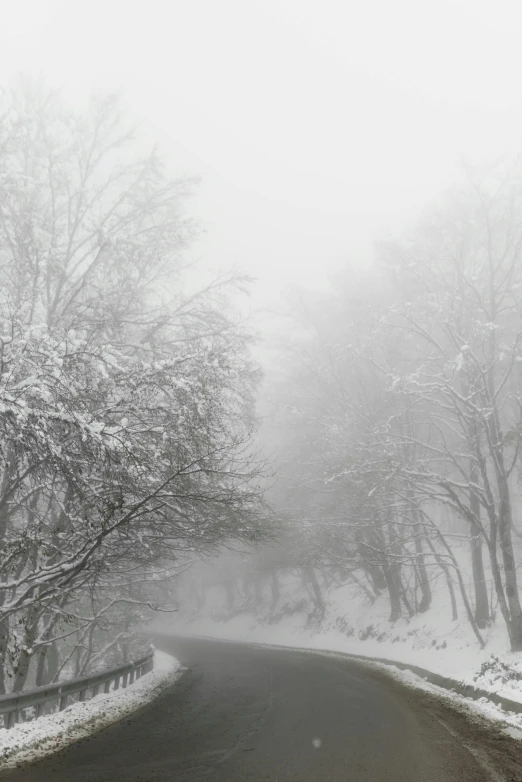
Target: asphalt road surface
pixel 245 714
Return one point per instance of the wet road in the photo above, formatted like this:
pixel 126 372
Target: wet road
pixel 245 714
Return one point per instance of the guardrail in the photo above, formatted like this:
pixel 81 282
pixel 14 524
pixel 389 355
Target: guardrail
pixel 13 707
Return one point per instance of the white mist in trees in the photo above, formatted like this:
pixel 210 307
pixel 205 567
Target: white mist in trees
pixel 89 228
pixel 126 409
pixel 465 317
pixel 338 463
pixel 400 411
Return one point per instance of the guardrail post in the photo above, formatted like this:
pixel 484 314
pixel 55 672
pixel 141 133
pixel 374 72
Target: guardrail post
pixel 107 687
pixel 10 719
pixel 95 690
pixel 124 681
pixel 117 683
pixel 81 696
pixel 38 710
pixel 63 701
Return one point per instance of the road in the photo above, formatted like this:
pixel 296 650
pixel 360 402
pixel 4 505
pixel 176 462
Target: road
pixel 244 714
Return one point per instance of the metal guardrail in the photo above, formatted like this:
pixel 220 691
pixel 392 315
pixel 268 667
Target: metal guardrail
pixel 12 707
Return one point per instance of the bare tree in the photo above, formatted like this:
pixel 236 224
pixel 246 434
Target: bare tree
pixel 126 406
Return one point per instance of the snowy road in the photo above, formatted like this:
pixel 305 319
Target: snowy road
pixel 246 714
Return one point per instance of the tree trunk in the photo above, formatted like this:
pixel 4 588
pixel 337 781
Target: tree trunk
pixel 310 577
pixel 495 439
pixel 497 578
pixel 449 581
pixel 462 587
pixel 40 668
pixel 395 601
pixel 482 617
pixel 510 573
pixel 404 596
pixel 424 583
pixel 24 660
pixel 377 577
pixel 22 670
pixel 52 663
pixel 373 540
pixel 4 634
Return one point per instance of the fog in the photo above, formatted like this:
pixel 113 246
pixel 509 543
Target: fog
pixel 260 358
pixel 315 130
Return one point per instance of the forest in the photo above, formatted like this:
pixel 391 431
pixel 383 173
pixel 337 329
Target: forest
pixel 149 455
pixel 393 411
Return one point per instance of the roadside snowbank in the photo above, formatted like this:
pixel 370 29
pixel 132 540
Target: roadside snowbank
pixel 345 620
pixel 433 642
pixel 444 649
pixel 31 740
pixel 482 708
pixel 459 664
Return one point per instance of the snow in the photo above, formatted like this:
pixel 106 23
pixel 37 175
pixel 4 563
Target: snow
pixel 330 643
pixel 482 708
pixel 29 741
pixel 350 625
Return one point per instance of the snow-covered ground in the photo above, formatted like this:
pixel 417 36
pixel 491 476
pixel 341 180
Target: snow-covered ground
pixel 452 653
pixel 350 624
pixel 482 708
pixel 31 740
pixel 456 661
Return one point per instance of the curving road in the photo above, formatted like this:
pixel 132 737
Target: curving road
pixel 245 714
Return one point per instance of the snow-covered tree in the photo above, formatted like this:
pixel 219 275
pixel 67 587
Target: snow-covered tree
pixel 126 391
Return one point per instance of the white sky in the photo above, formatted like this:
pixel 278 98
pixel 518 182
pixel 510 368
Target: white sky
pixel 315 124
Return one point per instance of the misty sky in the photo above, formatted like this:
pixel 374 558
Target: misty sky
pixel 315 125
